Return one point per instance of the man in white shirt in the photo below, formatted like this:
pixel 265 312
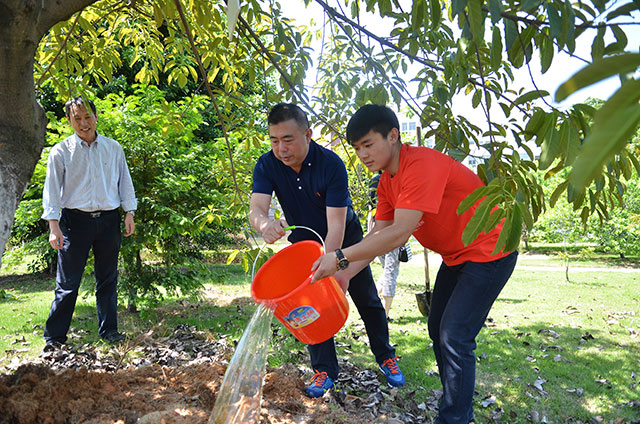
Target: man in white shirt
pixel 87 181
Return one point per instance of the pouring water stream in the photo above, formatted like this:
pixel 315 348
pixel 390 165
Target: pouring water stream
pixel 240 395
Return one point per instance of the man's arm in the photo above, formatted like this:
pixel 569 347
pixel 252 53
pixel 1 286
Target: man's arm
pixel 127 193
pixel 336 222
pixel 51 198
pixel 129 224
pixel 51 192
pixel 357 266
pixel 259 218
pixel 55 234
pixel 384 238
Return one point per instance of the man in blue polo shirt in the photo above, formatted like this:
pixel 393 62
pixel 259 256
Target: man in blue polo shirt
pixel 312 187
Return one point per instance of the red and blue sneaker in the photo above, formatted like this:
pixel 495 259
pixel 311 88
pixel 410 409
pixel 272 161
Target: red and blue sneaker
pixel 395 378
pixel 320 383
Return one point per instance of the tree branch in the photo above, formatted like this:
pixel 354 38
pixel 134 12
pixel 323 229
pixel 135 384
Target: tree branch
pixel 62 46
pixel 205 77
pixel 332 12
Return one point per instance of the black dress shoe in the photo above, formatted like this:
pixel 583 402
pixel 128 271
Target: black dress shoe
pixel 114 337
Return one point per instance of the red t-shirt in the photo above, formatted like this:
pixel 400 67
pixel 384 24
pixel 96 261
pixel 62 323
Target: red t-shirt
pixel 434 183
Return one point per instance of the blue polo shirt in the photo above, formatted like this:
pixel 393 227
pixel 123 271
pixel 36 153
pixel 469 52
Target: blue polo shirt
pixel 304 196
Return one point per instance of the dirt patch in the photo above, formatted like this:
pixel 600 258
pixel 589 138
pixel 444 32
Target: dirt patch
pixel 176 379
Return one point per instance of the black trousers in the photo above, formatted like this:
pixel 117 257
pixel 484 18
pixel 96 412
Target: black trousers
pixel 83 232
pixel 364 294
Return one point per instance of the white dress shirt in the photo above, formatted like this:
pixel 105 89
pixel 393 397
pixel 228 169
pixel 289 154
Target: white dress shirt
pixel 87 177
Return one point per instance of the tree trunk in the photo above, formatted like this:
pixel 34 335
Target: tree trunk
pixel 22 120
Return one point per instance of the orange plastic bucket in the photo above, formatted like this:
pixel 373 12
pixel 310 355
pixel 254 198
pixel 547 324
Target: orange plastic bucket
pixel 312 312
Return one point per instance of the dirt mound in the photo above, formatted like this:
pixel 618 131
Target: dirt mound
pixel 125 396
pixel 176 379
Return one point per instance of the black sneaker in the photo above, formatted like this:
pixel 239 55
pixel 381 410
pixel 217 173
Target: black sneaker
pixel 114 337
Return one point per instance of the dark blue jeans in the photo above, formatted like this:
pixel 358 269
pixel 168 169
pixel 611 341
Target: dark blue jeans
pixel 364 294
pixel 461 300
pixel 82 233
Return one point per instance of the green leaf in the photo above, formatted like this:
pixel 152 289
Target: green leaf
pixel 568 27
pixel 551 149
pixel 621 37
pixel 597 48
pixel 441 93
pixel 476 18
pixel 613 126
pixel 625 9
pixel 546 55
pixel 515 229
pixel 555 21
pixel 529 5
pixel 506 109
pixel 511 33
pixel 494 219
pixel 635 163
pixel 597 71
pixel 558 192
pixel 232 256
pixel 417 14
pixel 535 123
pixel 526 216
pixel 354 9
pixel 531 95
pixel 576 196
pixel 495 9
pixel 477 96
pixel 435 10
pixel 600 5
pixel 573 145
pixel 504 234
pixel 457 6
pixel 479 218
pixel 496 48
pixel 545 131
pixel 472 198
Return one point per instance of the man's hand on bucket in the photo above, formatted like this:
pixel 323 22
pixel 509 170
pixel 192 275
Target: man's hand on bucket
pixel 324 266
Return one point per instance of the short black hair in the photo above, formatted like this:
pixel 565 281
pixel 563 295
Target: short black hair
pixel 285 111
pixel 79 102
pixel 377 118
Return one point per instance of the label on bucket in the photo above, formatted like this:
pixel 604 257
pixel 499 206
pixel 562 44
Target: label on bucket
pixel 301 316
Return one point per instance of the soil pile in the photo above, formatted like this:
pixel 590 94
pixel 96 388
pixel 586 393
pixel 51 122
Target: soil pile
pixel 175 379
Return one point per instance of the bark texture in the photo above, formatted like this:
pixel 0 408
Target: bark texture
pixel 22 120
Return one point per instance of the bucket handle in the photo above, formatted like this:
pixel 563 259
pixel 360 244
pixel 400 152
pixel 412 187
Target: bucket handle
pixel 290 227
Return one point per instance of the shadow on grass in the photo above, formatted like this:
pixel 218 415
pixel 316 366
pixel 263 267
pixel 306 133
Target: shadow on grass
pixel 229 319
pixel 576 255
pixel 27 282
pixel 560 372
pixel 14 289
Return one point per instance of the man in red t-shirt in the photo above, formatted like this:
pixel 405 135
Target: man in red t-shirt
pixel 419 193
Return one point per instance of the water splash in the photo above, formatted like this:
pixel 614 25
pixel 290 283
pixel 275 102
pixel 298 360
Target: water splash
pixel 239 397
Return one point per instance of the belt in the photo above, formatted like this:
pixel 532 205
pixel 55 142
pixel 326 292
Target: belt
pixel 94 214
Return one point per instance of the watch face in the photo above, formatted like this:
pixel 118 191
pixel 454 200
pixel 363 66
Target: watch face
pixel 343 264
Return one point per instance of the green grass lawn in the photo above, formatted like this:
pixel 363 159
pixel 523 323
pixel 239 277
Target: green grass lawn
pixel 550 348
pixel 554 350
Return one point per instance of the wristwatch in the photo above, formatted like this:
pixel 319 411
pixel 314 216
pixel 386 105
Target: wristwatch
pixel 341 261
